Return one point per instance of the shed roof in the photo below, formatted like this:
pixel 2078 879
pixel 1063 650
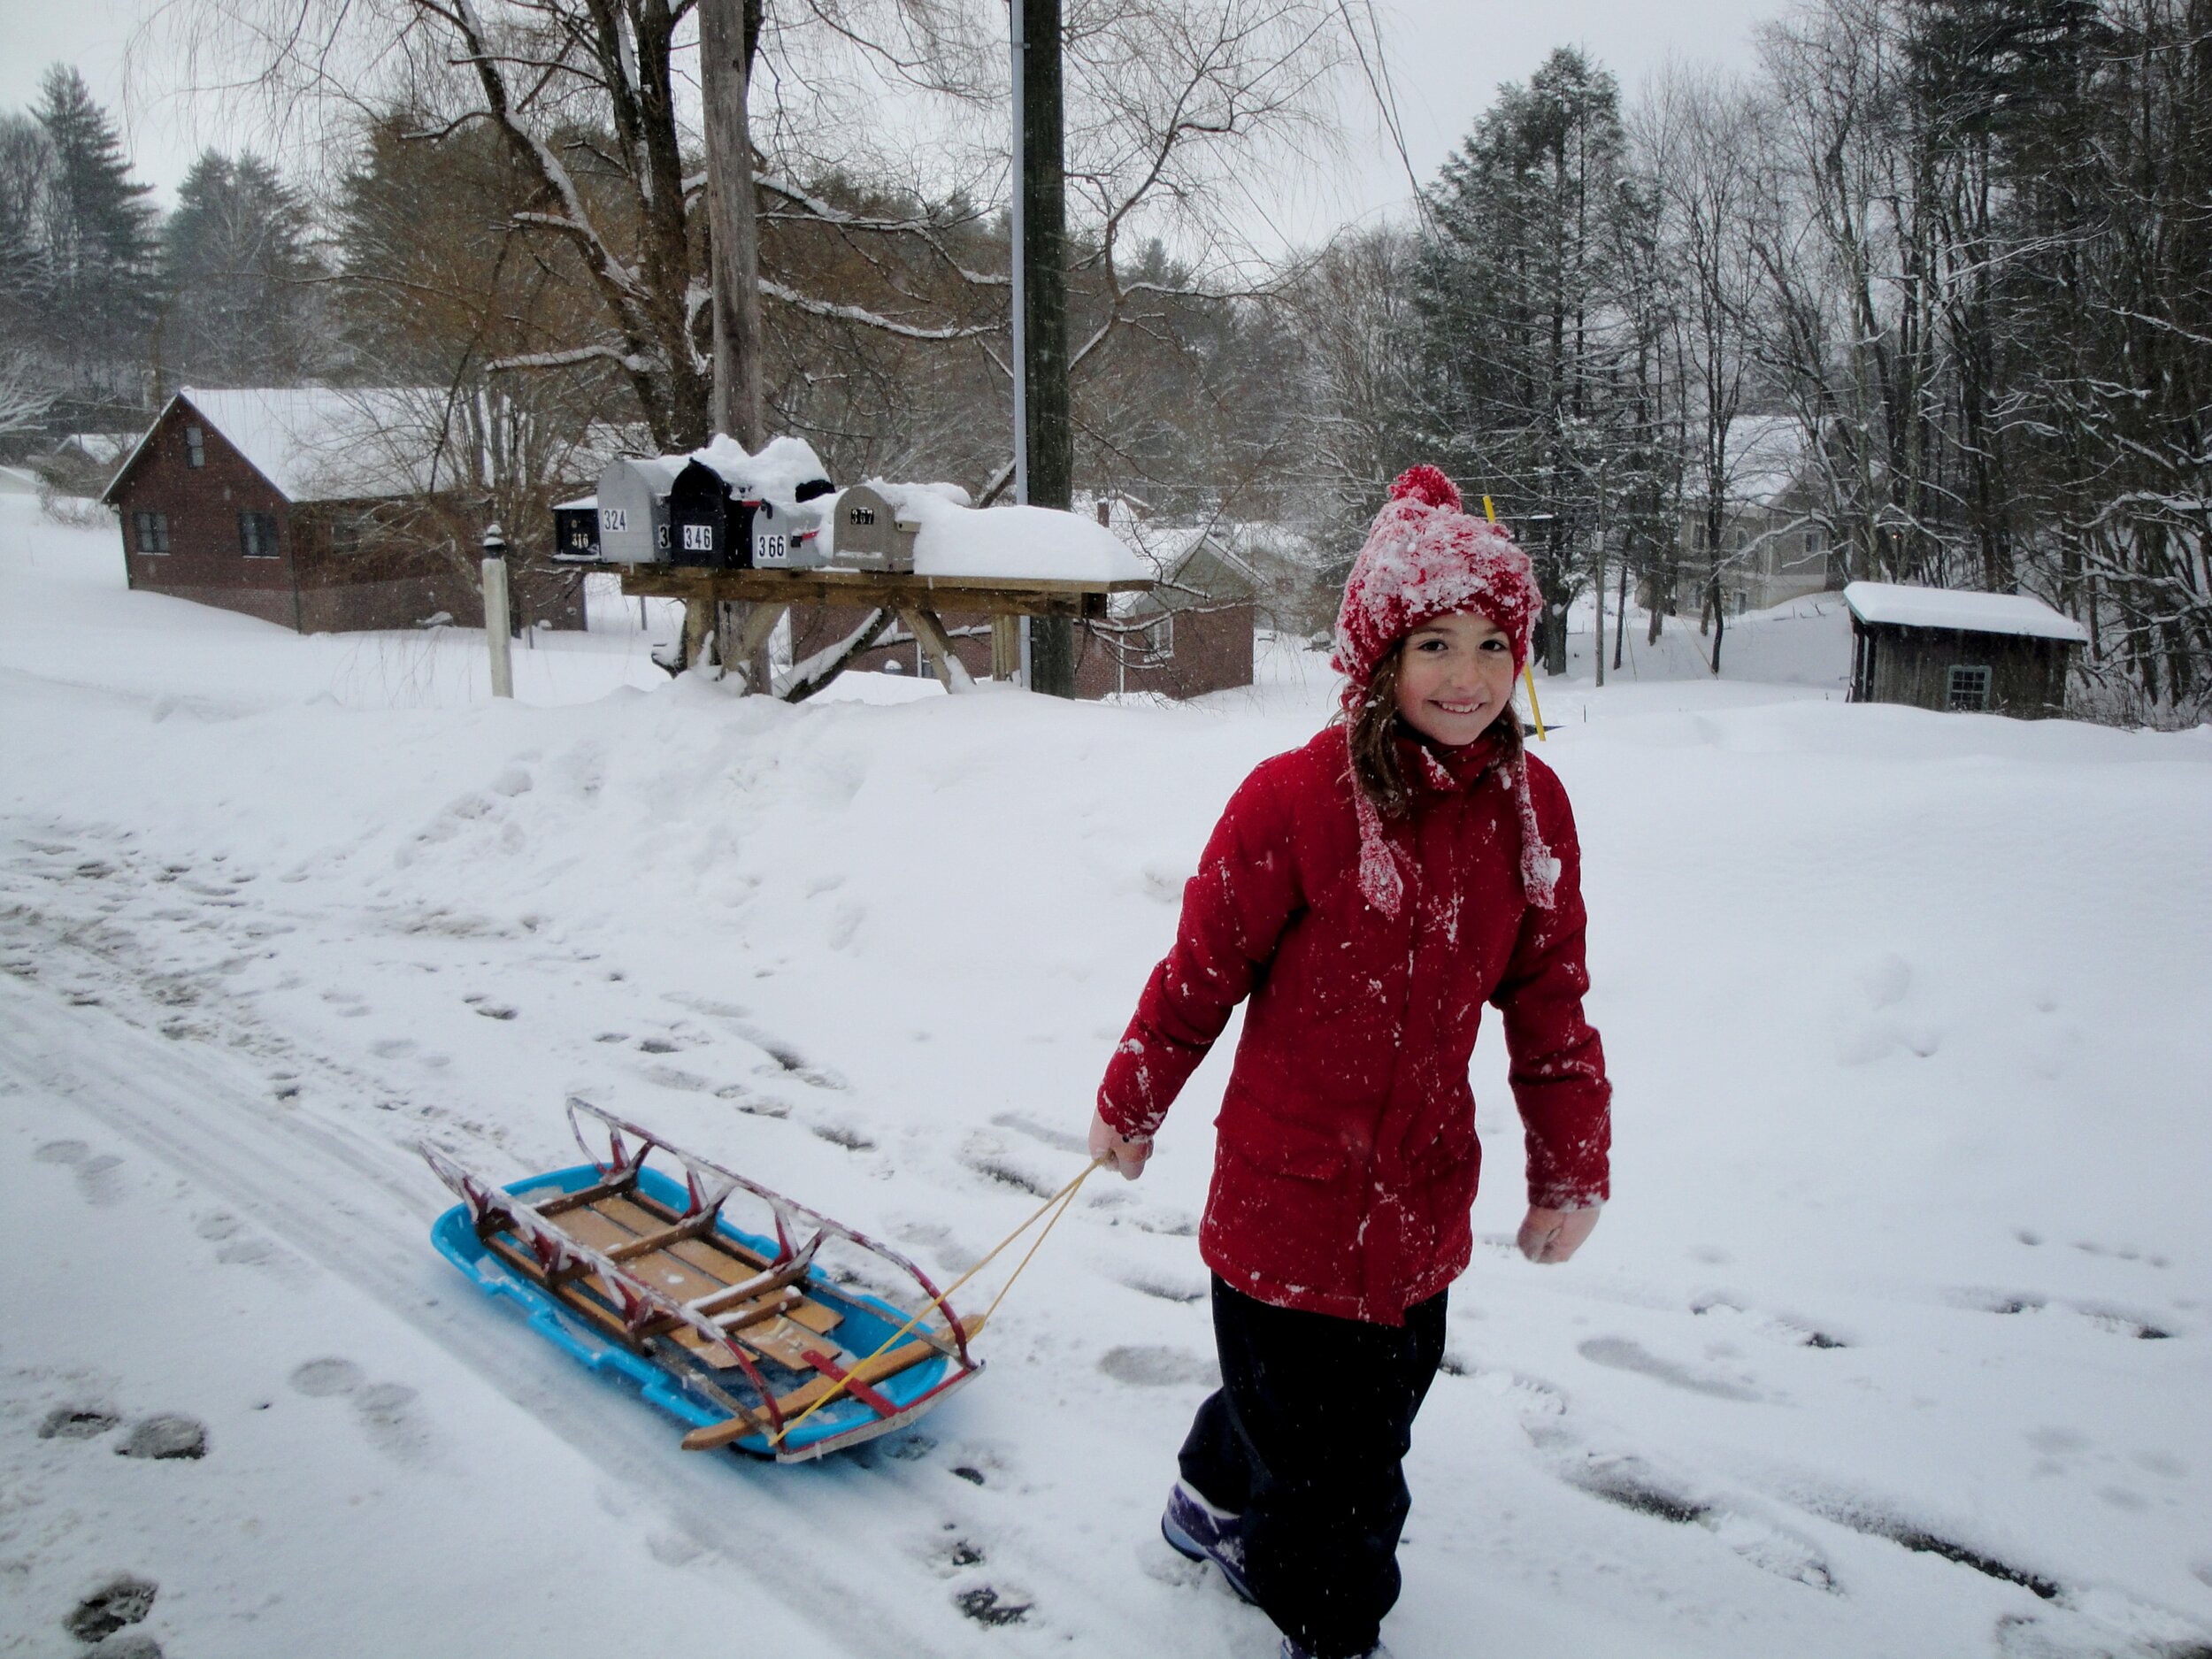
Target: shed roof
pixel 1961 608
pixel 323 442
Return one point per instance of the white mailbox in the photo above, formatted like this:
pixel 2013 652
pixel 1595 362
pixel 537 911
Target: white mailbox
pixel 633 508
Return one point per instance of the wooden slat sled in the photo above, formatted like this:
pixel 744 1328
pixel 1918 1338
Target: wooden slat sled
pixel 647 1272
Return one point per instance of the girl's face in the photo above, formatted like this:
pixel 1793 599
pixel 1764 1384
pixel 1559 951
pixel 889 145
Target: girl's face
pixel 1454 677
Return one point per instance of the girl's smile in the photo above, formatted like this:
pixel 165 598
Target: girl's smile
pixel 1454 677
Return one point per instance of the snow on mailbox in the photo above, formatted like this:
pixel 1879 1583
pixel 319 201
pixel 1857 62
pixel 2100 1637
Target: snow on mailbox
pixel 870 534
pixel 633 508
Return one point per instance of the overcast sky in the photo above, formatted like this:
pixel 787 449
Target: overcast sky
pixel 1446 60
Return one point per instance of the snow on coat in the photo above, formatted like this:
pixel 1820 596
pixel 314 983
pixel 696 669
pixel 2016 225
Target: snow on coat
pixel 1347 1158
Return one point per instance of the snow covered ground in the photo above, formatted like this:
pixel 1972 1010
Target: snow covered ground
pixel 1894 1339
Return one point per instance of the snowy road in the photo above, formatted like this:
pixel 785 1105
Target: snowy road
pixel 1894 1341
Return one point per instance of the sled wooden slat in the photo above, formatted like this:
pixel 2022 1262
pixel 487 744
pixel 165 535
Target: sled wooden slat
pixel 589 1195
pixel 675 1233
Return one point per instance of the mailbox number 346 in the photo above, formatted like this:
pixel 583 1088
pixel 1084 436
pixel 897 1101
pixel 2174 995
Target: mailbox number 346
pixel 698 538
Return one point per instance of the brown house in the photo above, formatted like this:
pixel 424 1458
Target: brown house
pixel 291 505
pixel 1950 649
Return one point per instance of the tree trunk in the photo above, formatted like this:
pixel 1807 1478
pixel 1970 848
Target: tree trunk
pixel 729 30
pixel 1044 255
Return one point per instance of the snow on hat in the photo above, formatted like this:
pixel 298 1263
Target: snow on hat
pixel 1426 556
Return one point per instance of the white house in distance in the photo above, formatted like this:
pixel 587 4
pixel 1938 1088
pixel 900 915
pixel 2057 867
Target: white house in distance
pixel 1774 547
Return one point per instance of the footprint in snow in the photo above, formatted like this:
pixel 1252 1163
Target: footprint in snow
pixel 1619 1353
pixel 320 1379
pixel 987 1605
pixel 1632 1483
pixel 121 1602
pixel 1147 1366
pixel 100 1180
pixel 166 1438
pixel 1774 1326
pixel 62 1152
pixel 2112 1321
pixel 387 1411
pixel 77 1423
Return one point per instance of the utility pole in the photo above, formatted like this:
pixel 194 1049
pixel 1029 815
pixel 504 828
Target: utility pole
pixel 729 33
pixel 1044 456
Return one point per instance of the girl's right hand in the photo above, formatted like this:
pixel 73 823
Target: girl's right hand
pixel 1127 1156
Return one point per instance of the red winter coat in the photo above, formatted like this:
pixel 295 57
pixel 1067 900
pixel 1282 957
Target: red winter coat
pixel 1347 1158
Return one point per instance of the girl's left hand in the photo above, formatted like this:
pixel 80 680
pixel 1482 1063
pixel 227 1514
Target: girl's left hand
pixel 1552 1235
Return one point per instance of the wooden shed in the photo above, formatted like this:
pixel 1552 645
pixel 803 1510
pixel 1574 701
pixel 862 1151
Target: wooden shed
pixel 288 504
pixel 1953 649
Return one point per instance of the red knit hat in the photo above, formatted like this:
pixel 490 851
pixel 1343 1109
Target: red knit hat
pixel 1424 557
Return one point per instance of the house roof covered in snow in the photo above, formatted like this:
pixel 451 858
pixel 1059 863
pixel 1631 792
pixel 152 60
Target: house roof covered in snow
pixel 323 442
pixel 1961 609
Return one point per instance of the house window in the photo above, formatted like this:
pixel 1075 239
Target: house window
pixel 194 447
pixel 1969 689
pixel 1158 640
pixel 257 534
pixel 150 530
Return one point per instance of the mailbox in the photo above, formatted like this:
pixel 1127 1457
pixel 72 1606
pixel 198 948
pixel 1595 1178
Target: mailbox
pixel 632 504
pixel 790 538
pixel 576 531
pixel 870 534
pixel 709 525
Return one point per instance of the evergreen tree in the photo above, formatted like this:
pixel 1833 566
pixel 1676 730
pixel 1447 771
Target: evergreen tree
pixel 236 270
pixel 1521 288
pixel 97 233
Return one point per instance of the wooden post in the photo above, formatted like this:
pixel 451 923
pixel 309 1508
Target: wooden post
pixel 748 648
pixel 924 626
pixel 1006 647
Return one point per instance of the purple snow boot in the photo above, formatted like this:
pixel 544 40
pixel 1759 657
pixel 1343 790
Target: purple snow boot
pixel 1196 1528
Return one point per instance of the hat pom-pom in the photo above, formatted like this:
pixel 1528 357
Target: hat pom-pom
pixel 1424 483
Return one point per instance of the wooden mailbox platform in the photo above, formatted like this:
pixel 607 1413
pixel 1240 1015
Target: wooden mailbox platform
pixel 913 599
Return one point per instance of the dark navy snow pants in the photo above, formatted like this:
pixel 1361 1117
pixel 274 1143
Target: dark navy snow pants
pixel 1305 1438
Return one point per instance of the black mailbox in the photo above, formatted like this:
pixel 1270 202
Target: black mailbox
pixel 576 530
pixel 707 524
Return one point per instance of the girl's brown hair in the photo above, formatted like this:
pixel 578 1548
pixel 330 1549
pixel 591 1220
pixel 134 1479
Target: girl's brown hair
pixel 1375 728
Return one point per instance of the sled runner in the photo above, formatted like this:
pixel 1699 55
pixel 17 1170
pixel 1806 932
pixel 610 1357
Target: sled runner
pixel 763 1340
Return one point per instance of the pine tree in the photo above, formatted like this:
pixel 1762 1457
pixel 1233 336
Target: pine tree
pixel 237 263
pixel 98 237
pixel 1520 288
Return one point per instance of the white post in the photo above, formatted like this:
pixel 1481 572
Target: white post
pixel 496 611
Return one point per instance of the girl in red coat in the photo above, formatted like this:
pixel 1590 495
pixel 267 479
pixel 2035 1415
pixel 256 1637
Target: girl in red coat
pixel 1369 892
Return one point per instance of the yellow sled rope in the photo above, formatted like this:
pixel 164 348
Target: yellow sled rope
pixel 1064 1198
